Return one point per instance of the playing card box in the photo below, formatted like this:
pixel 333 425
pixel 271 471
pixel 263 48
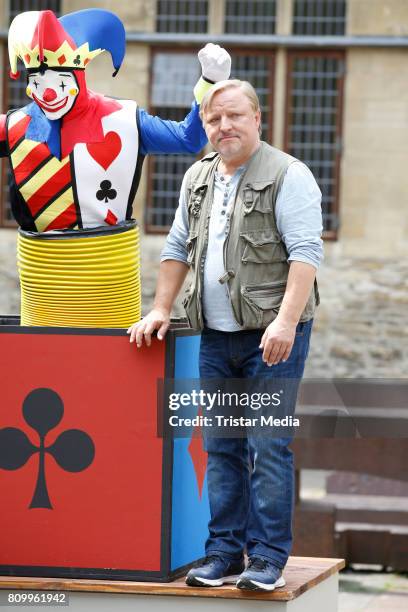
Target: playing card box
pixel 89 488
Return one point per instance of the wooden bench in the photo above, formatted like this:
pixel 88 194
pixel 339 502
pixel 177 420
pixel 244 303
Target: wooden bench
pixel 311 584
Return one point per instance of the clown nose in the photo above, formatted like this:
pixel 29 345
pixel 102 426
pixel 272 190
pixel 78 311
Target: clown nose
pixel 49 95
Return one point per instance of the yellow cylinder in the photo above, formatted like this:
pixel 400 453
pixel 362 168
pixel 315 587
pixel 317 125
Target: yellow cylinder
pixel 80 278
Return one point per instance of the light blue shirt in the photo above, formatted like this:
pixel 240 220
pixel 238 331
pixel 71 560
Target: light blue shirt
pixel 299 222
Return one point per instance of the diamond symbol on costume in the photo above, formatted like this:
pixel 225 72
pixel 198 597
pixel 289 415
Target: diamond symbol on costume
pixel 111 218
pixel 106 192
pixel 73 450
pixel 198 456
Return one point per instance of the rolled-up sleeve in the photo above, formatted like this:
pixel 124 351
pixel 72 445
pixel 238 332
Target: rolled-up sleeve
pixel 175 247
pixel 299 215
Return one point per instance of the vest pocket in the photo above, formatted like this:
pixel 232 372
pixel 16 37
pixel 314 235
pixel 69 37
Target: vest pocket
pixel 257 197
pixel 263 247
pixel 260 303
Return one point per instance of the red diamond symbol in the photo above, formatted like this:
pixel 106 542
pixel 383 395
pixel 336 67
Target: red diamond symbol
pixel 198 456
pixel 86 61
pixel 27 58
pixel 111 218
pixel 62 59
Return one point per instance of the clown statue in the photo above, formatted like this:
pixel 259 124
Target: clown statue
pixel 76 158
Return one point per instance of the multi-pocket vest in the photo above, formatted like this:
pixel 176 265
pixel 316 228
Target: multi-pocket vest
pixel 255 257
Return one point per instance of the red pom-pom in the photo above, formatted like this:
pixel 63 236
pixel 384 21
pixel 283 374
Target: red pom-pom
pixel 14 75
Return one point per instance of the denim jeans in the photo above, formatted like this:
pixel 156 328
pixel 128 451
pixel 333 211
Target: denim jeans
pixel 250 479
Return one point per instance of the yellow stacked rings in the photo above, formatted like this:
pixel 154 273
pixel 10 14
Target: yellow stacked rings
pixel 80 278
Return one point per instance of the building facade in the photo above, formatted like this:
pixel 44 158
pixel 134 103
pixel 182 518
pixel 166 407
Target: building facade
pixel 331 76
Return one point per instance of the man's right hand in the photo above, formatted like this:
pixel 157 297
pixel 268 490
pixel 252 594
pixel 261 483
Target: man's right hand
pixel 156 319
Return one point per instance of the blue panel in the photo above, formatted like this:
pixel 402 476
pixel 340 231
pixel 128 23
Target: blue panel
pixel 190 514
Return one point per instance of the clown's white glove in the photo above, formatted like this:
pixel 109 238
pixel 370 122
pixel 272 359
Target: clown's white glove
pixel 215 66
pixel 215 63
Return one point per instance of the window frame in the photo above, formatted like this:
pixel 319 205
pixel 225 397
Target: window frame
pixel 332 53
pixel 157 20
pixel 270 52
pixel 295 21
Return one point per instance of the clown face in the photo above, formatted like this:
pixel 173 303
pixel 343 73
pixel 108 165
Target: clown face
pixel 54 91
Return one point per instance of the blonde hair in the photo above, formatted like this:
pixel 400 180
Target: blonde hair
pixel 244 86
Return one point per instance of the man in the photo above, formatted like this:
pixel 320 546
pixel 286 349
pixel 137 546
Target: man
pixel 249 224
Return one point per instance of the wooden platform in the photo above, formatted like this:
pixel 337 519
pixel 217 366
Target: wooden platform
pixel 311 584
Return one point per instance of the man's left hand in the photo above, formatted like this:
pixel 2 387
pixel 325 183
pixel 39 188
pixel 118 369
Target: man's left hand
pixel 277 341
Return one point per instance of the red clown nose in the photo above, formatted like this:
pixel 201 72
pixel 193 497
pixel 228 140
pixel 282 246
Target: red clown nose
pixel 49 95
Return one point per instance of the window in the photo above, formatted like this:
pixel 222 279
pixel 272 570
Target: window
pixel 319 17
pixel 258 69
pixel 173 78
pixel 313 123
pixel 15 96
pixel 182 16
pixel 250 16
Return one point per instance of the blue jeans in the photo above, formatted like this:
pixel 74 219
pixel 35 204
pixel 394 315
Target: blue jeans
pixel 250 479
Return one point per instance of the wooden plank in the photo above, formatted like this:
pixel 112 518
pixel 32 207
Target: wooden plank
pixel 301 575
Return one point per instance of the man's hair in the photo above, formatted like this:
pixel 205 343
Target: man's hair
pixel 244 86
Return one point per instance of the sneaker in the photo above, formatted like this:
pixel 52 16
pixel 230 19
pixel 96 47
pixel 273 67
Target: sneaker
pixel 214 571
pixel 261 575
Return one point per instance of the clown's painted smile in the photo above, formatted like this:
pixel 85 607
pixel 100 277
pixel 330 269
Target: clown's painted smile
pixel 53 91
pixel 51 108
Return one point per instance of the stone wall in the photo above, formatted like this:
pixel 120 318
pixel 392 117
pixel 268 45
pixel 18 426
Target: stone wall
pixel 374 182
pixel 377 17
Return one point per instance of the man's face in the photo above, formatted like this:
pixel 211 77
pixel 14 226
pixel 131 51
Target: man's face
pixel 54 92
pixel 232 125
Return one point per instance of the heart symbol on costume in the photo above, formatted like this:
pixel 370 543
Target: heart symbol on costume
pixel 106 151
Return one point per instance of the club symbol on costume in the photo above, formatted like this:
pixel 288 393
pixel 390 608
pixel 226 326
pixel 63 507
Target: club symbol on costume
pixel 105 192
pixel 73 450
pixel 77 60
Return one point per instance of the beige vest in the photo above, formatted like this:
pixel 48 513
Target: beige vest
pixel 255 258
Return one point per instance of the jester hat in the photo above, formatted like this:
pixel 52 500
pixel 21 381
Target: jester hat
pixel 42 41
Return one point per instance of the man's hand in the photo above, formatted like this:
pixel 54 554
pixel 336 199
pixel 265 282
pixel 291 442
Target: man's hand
pixel 215 63
pixel 156 319
pixel 277 341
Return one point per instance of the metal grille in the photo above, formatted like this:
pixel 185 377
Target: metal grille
pixel 258 70
pixel 166 174
pixel 319 17
pixel 182 16
pixel 15 95
pixel 173 78
pixel 166 171
pixel 250 16
pixel 314 122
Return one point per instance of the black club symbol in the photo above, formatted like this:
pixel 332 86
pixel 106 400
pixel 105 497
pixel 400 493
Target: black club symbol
pixel 77 60
pixel 105 192
pixel 73 450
